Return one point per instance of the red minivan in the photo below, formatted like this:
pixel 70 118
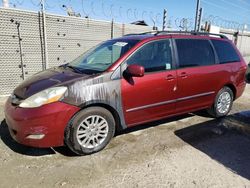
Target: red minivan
pixel 124 82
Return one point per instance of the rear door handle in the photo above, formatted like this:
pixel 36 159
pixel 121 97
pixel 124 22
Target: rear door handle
pixel 184 75
pixel 170 77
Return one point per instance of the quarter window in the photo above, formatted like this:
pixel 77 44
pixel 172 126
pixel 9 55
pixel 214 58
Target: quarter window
pixel 225 51
pixel 154 56
pixel 194 52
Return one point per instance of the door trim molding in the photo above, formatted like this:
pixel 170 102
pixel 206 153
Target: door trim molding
pixel 195 96
pixel 150 105
pixel 170 101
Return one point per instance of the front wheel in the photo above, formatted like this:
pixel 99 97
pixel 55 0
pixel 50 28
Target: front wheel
pixel 223 103
pixel 90 130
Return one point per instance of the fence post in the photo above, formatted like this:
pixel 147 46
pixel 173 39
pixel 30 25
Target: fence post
pixel 112 29
pixel 45 35
pixel 199 19
pixel 164 23
pixel 236 34
pixel 21 50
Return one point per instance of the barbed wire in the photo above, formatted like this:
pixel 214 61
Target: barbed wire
pixel 92 9
pixel 18 2
pixel 110 10
pixel 224 23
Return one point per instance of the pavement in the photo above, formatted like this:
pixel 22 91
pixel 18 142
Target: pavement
pixel 192 150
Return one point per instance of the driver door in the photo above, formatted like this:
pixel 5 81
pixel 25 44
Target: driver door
pixel 152 96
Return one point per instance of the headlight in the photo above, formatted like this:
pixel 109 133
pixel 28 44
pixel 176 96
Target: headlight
pixel 44 97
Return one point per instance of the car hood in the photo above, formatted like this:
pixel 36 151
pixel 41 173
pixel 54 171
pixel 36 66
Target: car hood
pixel 45 79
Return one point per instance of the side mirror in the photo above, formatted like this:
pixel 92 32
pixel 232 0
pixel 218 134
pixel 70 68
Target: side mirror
pixel 135 70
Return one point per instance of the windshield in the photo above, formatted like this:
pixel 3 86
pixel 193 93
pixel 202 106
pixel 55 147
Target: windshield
pixel 99 58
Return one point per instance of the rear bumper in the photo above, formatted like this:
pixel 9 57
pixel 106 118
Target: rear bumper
pixel 240 90
pixel 49 120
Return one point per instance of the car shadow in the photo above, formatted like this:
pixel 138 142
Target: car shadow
pixel 152 124
pixel 18 148
pixel 67 152
pixel 226 146
pixel 200 136
pixel 63 150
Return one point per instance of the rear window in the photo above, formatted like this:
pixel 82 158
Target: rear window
pixel 194 52
pixel 225 51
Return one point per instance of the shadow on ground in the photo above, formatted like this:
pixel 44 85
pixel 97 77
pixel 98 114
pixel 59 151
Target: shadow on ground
pixel 152 124
pixel 63 150
pixel 228 147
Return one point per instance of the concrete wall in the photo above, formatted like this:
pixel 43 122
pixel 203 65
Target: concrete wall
pixel 243 41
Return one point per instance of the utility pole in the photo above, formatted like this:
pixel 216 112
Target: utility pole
pixel 44 34
pixel 5 3
pixel 197 15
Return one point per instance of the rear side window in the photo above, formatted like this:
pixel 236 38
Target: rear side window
pixel 225 51
pixel 194 52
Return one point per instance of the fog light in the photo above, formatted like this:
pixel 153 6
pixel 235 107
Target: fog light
pixel 35 136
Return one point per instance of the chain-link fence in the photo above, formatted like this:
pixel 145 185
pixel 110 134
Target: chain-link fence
pixel 22 51
pixel 22 41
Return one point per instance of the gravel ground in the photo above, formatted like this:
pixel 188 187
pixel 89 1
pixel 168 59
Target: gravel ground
pixel 186 151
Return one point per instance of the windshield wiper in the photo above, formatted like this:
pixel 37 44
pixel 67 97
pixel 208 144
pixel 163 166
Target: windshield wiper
pixel 78 70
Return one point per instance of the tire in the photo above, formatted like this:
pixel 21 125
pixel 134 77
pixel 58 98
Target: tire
pixel 90 130
pixel 223 103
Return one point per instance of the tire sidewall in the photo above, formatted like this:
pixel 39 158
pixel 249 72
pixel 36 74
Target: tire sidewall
pixel 224 89
pixel 71 130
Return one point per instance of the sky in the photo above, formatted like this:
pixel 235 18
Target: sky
pixel 228 13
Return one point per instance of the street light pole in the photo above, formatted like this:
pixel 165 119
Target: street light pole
pixel 197 15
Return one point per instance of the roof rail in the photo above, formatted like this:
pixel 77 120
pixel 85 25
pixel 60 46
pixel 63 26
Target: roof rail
pixel 156 33
pixel 145 33
pixel 190 33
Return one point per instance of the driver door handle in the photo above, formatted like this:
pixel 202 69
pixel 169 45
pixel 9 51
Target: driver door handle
pixel 170 77
pixel 183 75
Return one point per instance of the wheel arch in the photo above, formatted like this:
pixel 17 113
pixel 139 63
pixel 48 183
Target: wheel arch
pixel 117 116
pixel 233 88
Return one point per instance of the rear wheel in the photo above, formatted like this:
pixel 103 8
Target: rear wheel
pixel 90 130
pixel 223 103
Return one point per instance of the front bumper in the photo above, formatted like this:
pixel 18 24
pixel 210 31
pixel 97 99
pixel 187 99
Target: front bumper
pixel 49 120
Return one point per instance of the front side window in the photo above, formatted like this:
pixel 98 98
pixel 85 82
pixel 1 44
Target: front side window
pixel 103 56
pixel 153 56
pixel 225 51
pixel 194 52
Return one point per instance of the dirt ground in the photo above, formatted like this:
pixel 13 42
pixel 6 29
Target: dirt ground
pixel 186 151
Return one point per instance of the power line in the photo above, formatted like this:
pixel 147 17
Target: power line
pixel 235 5
pixel 244 2
pixel 218 6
